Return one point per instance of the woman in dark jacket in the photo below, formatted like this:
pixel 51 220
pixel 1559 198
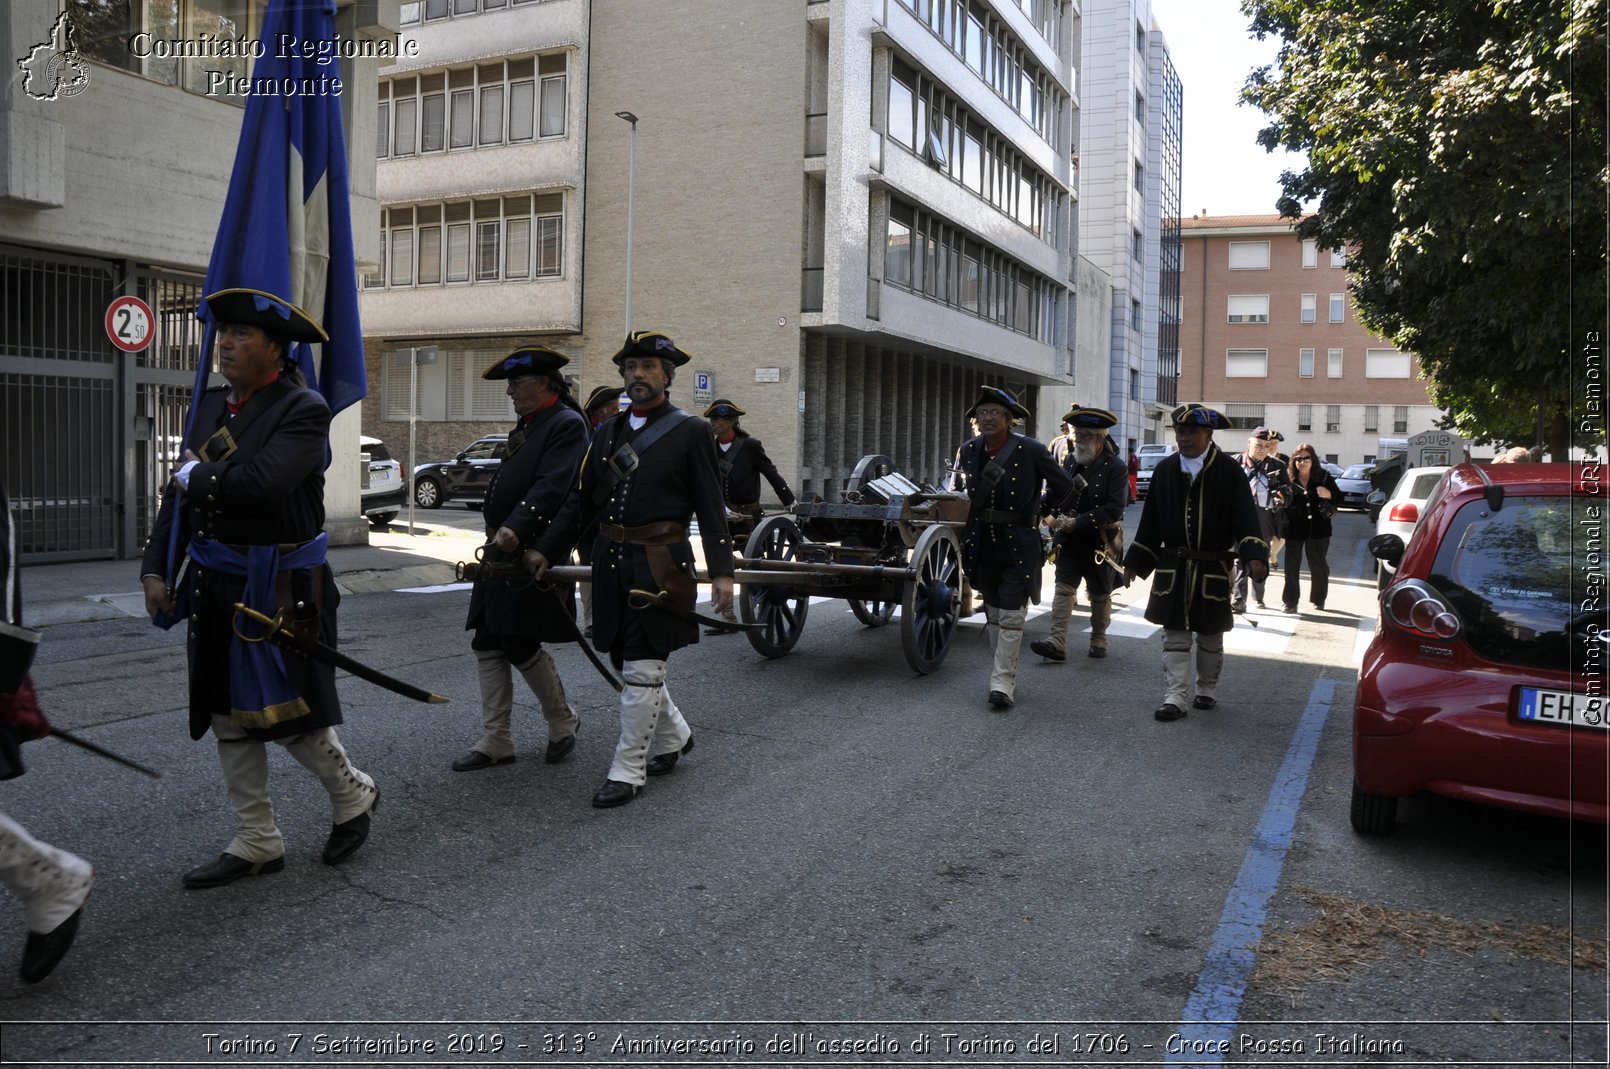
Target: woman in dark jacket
pixel 1310 505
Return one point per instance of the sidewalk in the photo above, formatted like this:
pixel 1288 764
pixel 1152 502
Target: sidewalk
pixel 110 589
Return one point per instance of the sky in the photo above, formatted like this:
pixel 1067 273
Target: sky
pixel 1226 171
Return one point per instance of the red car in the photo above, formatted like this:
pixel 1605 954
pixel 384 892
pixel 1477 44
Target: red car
pixel 1486 680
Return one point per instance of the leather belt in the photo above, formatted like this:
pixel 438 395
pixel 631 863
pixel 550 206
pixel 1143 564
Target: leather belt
pixel 753 506
pixel 659 533
pixel 1199 554
pixel 1005 518
pixel 285 547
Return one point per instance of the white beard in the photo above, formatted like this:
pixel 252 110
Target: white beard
pixel 1084 454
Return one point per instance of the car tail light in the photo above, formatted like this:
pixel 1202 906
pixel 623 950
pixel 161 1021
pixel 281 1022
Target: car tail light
pixel 1414 605
pixel 1404 512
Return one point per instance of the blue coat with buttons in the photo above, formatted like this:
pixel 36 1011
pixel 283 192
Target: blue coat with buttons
pixel 525 495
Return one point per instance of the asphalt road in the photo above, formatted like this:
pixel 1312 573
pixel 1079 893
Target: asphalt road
pixel 854 862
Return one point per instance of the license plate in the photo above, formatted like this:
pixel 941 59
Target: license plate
pixel 380 477
pixel 1563 707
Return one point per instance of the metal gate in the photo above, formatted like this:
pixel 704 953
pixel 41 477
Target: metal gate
pixel 83 425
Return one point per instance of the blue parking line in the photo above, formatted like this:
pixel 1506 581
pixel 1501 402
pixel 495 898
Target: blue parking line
pixel 1211 1013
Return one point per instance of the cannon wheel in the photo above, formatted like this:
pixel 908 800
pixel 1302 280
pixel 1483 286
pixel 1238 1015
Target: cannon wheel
pixel 933 595
pixel 780 608
pixel 873 613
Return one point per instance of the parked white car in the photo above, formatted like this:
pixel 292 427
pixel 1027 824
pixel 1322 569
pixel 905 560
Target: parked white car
pixel 1149 456
pixel 1402 511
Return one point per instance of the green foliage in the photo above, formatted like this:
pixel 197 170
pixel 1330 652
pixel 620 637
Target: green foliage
pixel 1457 150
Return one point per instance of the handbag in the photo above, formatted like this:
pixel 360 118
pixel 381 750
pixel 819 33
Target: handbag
pixel 17 643
pixel 1278 520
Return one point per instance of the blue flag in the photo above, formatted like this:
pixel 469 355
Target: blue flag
pixel 287 222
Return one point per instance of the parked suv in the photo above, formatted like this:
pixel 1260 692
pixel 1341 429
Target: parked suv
pixel 466 476
pixel 1149 456
pixel 383 489
pixel 1477 684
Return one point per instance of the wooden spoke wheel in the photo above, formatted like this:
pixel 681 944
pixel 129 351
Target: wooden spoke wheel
pixel 781 608
pixel 933 599
pixel 873 613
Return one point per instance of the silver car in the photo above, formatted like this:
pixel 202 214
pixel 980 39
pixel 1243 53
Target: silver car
pixel 1354 483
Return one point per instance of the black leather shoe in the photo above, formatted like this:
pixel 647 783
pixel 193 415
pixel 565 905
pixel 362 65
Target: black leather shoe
pixel 42 953
pixel 1319 606
pixel 558 749
pixel 227 869
pixel 347 836
pixel 999 700
pixel 1202 701
pixel 666 762
pixel 614 793
pixel 1098 652
pixel 1291 610
pixel 1044 648
pixel 1169 711
pixel 476 760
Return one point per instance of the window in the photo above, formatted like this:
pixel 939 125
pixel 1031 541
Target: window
pixel 1249 256
pixel 1140 177
pixel 1246 363
pixel 463 102
pixel 1249 308
pixel 1134 384
pixel 897 258
pixel 1333 418
pixel 522 102
pixel 550 235
pixel 433 121
pixel 491 130
pixel 1140 108
pixel 1372 418
pixel 1310 307
pixel 487 247
pixel 1245 417
pixel 402 246
pixel 1333 363
pixel 1138 247
pixel 1305 363
pixel 1338 306
pixel 1400 419
pixel 1385 364
pixel 509 238
pixel 902 106
pixel 1338 258
pixel 377 278
pixel 1305 417
pixel 1137 318
pixel 402 143
pixel 1310 252
pixel 430 245
pixel 383 125
pixel 554 82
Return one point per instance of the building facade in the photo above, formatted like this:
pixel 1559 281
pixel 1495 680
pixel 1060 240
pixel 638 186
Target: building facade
pixel 852 221
pixel 115 157
pixel 1130 169
pixel 1269 335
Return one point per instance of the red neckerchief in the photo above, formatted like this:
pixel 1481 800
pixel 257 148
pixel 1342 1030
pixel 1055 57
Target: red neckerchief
pixel 993 449
pixel 531 415
pixel 641 412
pixel 235 406
pixel 727 440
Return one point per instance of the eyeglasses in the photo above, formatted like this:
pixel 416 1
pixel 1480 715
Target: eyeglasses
pixel 1303 460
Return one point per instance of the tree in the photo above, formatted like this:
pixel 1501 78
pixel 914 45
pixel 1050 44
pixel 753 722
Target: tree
pixel 1456 149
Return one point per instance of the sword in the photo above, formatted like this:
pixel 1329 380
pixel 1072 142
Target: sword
pixel 649 599
pixel 101 751
pixel 515 574
pixel 312 647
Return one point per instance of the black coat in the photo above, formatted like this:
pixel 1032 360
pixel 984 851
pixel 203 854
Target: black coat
pixel 1307 514
pixel 993 544
pixel 1100 502
pixel 269 490
pixel 1214 513
pixel 675 479
pixel 525 495
pixel 742 466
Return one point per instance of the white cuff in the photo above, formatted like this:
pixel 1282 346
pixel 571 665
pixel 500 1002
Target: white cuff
pixel 182 476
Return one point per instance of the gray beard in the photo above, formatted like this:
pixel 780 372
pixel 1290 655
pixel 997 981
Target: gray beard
pixel 1084 454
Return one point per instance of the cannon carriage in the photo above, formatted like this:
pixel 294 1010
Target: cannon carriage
pixel 888 544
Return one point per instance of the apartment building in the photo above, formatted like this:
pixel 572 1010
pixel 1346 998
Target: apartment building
pixel 853 213
pixel 1269 335
pixel 1130 171
pixel 116 144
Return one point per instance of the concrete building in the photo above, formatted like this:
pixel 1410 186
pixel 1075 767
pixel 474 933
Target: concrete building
pixel 115 156
pixel 852 213
pixel 1270 336
pixel 1130 141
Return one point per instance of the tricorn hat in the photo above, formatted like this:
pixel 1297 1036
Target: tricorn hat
pixel 529 360
pixel 1195 415
pixel 1090 418
pixel 722 408
pixel 603 395
pixel 996 395
pixel 1264 434
pixel 259 308
pixel 651 343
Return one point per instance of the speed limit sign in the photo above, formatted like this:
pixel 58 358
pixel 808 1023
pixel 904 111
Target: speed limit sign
pixel 128 323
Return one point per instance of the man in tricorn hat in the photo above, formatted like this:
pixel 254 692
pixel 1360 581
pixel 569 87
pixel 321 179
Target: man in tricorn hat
pixel 1265 472
pixel 510 623
pixel 1080 531
pixel 1198 520
pixel 249 502
pixel 649 470
pixel 743 462
pixel 1003 475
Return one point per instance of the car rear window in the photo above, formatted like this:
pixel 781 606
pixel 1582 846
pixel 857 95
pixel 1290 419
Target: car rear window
pixel 1424 484
pixel 377 451
pixel 1509 574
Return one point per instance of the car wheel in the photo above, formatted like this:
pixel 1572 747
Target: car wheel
pixel 381 520
pixel 427 493
pixel 1373 814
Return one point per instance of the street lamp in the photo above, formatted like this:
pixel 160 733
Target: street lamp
pixel 631 211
